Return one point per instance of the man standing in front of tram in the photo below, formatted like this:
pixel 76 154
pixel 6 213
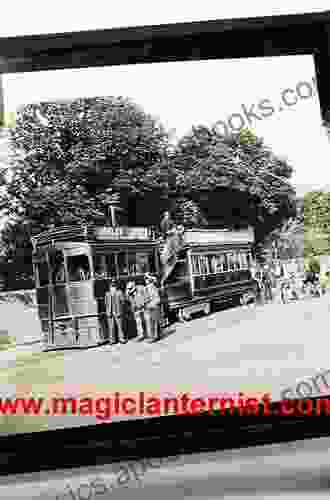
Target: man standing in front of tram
pixel 137 297
pixel 115 310
pixel 152 309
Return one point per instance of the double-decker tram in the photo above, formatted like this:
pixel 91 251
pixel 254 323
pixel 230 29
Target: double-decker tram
pixel 73 266
pixel 212 266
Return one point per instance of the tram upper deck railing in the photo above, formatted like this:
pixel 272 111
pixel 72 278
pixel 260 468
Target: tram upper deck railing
pixel 92 233
pixel 218 236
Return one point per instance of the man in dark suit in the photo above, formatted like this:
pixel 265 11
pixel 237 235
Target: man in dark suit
pixel 115 310
pixel 101 287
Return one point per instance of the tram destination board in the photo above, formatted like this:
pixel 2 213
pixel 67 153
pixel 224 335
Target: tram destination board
pixel 124 233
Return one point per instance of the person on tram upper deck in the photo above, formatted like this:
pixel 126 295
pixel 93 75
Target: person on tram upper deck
pixel 166 224
pixel 115 310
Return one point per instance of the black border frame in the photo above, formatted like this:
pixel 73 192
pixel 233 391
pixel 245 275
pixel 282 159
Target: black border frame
pixel 164 436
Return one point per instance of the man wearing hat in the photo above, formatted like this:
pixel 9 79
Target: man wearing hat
pixel 137 298
pixel 167 224
pixel 115 309
pixel 152 309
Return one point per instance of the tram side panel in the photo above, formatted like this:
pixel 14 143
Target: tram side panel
pixel 203 277
pixel 43 312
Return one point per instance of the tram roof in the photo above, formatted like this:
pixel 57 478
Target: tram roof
pixel 94 234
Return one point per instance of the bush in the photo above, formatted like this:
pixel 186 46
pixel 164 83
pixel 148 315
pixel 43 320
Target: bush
pixel 314 265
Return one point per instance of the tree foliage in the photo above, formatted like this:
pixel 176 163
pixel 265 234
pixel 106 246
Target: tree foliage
pixel 69 160
pixel 206 162
pixel 317 223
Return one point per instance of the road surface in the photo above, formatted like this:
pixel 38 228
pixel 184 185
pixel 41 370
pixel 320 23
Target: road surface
pixel 253 350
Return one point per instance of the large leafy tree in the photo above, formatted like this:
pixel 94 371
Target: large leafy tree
pixel 69 160
pixel 235 180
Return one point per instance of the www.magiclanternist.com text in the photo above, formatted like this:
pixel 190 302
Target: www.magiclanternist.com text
pixel 117 405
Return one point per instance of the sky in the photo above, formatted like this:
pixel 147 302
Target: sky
pixel 188 93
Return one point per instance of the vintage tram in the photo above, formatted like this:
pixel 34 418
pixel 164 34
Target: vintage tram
pixel 72 266
pixel 212 266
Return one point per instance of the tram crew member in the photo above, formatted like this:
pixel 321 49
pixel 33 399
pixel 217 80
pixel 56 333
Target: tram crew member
pixel 137 297
pixel 115 310
pixel 152 308
pixel 166 224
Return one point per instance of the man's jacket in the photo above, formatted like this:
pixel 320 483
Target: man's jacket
pixel 153 297
pixel 114 302
pixel 138 299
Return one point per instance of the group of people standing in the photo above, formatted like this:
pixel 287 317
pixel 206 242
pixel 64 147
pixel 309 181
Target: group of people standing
pixel 272 280
pixel 134 307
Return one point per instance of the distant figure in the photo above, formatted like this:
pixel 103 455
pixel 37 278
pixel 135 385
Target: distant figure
pixel 267 280
pixel 115 310
pixel 310 281
pixel 260 289
pixel 136 295
pixel 167 224
pixel 152 309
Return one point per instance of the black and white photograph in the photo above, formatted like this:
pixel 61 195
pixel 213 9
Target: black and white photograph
pixel 164 226
pixel 164 250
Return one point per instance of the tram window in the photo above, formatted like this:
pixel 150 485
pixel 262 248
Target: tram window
pixel 56 260
pixel 244 260
pixel 231 262
pixel 99 265
pixel 143 261
pixel 237 261
pixel 131 264
pixel 122 263
pixel 203 264
pixel 110 261
pixel 225 264
pixel 78 267
pixel 220 260
pixel 194 263
pixel 213 264
pixel 43 277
